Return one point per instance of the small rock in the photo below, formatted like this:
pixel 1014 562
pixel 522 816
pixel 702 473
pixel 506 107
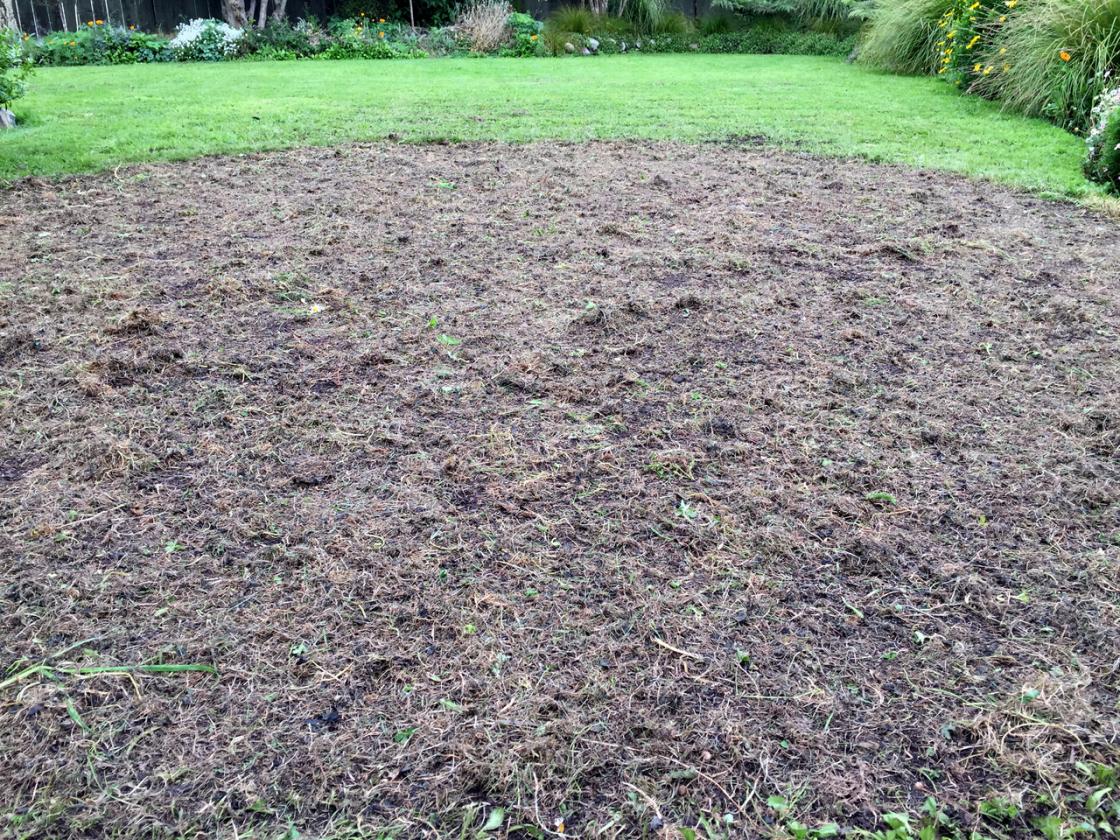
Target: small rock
pixel 593 45
pixel 694 47
pixel 622 46
pixel 569 47
pixel 586 51
pixel 7 118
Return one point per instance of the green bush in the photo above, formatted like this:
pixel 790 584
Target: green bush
pixel 769 40
pixel 99 43
pixel 1102 160
pixel 15 67
pixel 1060 55
pixel 903 35
pixel 280 40
pixel 524 36
pixel 719 23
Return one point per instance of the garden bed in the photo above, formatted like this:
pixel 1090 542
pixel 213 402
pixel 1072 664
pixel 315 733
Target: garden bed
pixel 617 484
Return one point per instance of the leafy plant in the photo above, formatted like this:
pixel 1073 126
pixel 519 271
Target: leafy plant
pixel 15 67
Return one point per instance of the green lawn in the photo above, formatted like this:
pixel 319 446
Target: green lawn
pixel 89 118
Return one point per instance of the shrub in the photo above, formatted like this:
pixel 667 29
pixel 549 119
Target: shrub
pixel 1059 56
pixel 1102 161
pixel 205 39
pixel 99 43
pixel 14 67
pixel 903 35
pixel 770 40
pixel 485 24
pixel 281 40
pixel 525 36
pixel 719 23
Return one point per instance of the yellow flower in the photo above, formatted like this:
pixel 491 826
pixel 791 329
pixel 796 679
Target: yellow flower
pixel 89 23
pixel 972 43
pixel 1064 56
pixel 1003 18
pixel 381 20
pixel 975 68
pixel 1006 67
pixel 952 33
pixel 988 70
pixel 532 37
pixel 975 6
pixel 1011 4
pixel 99 22
pixel 1003 50
pixel 380 34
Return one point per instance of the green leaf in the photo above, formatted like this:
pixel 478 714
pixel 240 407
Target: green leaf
pixel 448 340
pixel 778 803
pixel 494 821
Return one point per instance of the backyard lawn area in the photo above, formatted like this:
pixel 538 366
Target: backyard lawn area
pixel 684 447
pixel 88 118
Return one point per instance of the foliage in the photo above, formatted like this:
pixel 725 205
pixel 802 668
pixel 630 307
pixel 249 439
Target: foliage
pixel 525 36
pixel 764 40
pixel 99 43
pixel 577 20
pixel 903 36
pixel 966 28
pixel 485 24
pixel 1102 159
pixel 206 39
pixel 651 16
pixel 719 23
pixel 366 39
pixel 1060 56
pixel 14 67
pixel 283 40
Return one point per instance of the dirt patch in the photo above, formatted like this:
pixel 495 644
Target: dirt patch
pixel 624 485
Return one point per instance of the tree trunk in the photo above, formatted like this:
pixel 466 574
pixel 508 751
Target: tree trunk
pixel 234 13
pixel 263 14
pixel 281 10
pixel 7 14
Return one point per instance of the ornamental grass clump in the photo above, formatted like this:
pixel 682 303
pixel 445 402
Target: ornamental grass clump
pixel 903 36
pixel 485 25
pixel 1061 55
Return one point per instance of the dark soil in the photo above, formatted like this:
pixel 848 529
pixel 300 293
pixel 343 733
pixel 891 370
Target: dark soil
pixel 627 485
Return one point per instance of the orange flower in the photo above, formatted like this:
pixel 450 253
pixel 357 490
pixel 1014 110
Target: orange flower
pixel 1064 56
pixel 99 22
pixel 381 20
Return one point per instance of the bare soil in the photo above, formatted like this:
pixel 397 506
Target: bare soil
pixel 627 485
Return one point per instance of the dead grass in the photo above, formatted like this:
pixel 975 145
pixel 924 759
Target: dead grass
pixel 619 487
